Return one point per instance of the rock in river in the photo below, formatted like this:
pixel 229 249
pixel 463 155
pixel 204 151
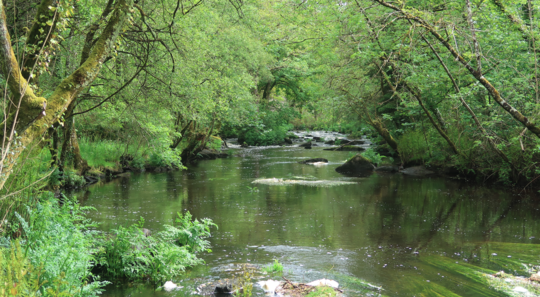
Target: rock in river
pixel 316 160
pixel 223 286
pixel 169 286
pixel 357 164
pixel 346 148
pixel 307 145
pixel 387 168
pixel 417 170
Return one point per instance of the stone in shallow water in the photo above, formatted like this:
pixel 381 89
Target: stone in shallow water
pixel 313 183
pixel 355 165
pixel 324 282
pixel 521 290
pixel 269 286
pixel 222 286
pixel 417 171
pixel 315 160
pixel 169 286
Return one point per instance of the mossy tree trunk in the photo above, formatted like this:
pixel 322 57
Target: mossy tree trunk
pixel 71 152
pixel 30 116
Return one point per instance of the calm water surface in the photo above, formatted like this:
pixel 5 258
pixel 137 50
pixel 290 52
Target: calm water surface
pixel 398 232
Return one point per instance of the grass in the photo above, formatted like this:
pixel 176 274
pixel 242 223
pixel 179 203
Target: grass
pixel 274 267
pixel 323 292
pixel 105 153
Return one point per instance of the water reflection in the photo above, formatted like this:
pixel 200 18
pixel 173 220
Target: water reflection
pixel 391 230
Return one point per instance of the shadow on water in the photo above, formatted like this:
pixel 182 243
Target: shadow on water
pixel 408 235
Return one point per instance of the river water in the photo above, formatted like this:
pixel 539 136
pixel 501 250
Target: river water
pixel 410 236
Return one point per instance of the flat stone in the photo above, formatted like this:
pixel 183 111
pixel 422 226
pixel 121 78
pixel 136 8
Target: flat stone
pixel 417 171
pixel 315 160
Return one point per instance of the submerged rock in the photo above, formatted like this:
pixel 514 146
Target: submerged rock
pixel 313 183
pixel 357 164
pixel 417 171
pixel 222 286
pixel 346 148
pixel 291 289
pixel 356 142
pixel 387 168
pixel 315 160
pixel 211 155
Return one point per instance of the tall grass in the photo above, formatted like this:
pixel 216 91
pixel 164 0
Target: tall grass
pixel 106 153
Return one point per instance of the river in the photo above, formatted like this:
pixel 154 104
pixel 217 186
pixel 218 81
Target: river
pixel 407 235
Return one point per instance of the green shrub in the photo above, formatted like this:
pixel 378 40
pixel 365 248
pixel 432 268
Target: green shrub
pixel 132 255
pixel 214 143
pixel 18 277
pixel 59 241
pixel 372 155
pixel 323 292
pixel 66 179
pixel 275 267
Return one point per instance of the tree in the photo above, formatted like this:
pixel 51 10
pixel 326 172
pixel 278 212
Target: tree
pixel 28 116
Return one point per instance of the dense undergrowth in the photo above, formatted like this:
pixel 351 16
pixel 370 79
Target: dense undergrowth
pixel 56 251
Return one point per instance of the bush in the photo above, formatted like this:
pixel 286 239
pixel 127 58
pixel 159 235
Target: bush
pixel 372 156
pixel 66 179
pixel 132 255
pixel 275 267
pixel 18 277
pixel 59 241
pixel 272 128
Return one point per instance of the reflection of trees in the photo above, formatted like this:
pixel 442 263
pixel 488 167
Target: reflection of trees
pixel 173 185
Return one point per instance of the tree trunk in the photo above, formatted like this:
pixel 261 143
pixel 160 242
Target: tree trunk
pixel 381 129
pixel 182 133
pixel 71 152
pixel 31 116
pixel 53 146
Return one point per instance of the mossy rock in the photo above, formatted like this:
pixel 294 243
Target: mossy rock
pixel 357 164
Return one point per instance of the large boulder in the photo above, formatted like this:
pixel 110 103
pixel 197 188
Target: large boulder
pixel 316 160
pixel 357 164
pixel 317 138
pixel 307 145
pixel 287 140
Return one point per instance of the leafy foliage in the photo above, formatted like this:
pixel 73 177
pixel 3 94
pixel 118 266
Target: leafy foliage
pixel 132 255
pixel 59 240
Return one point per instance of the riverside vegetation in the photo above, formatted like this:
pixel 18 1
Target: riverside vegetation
pixel 92 89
